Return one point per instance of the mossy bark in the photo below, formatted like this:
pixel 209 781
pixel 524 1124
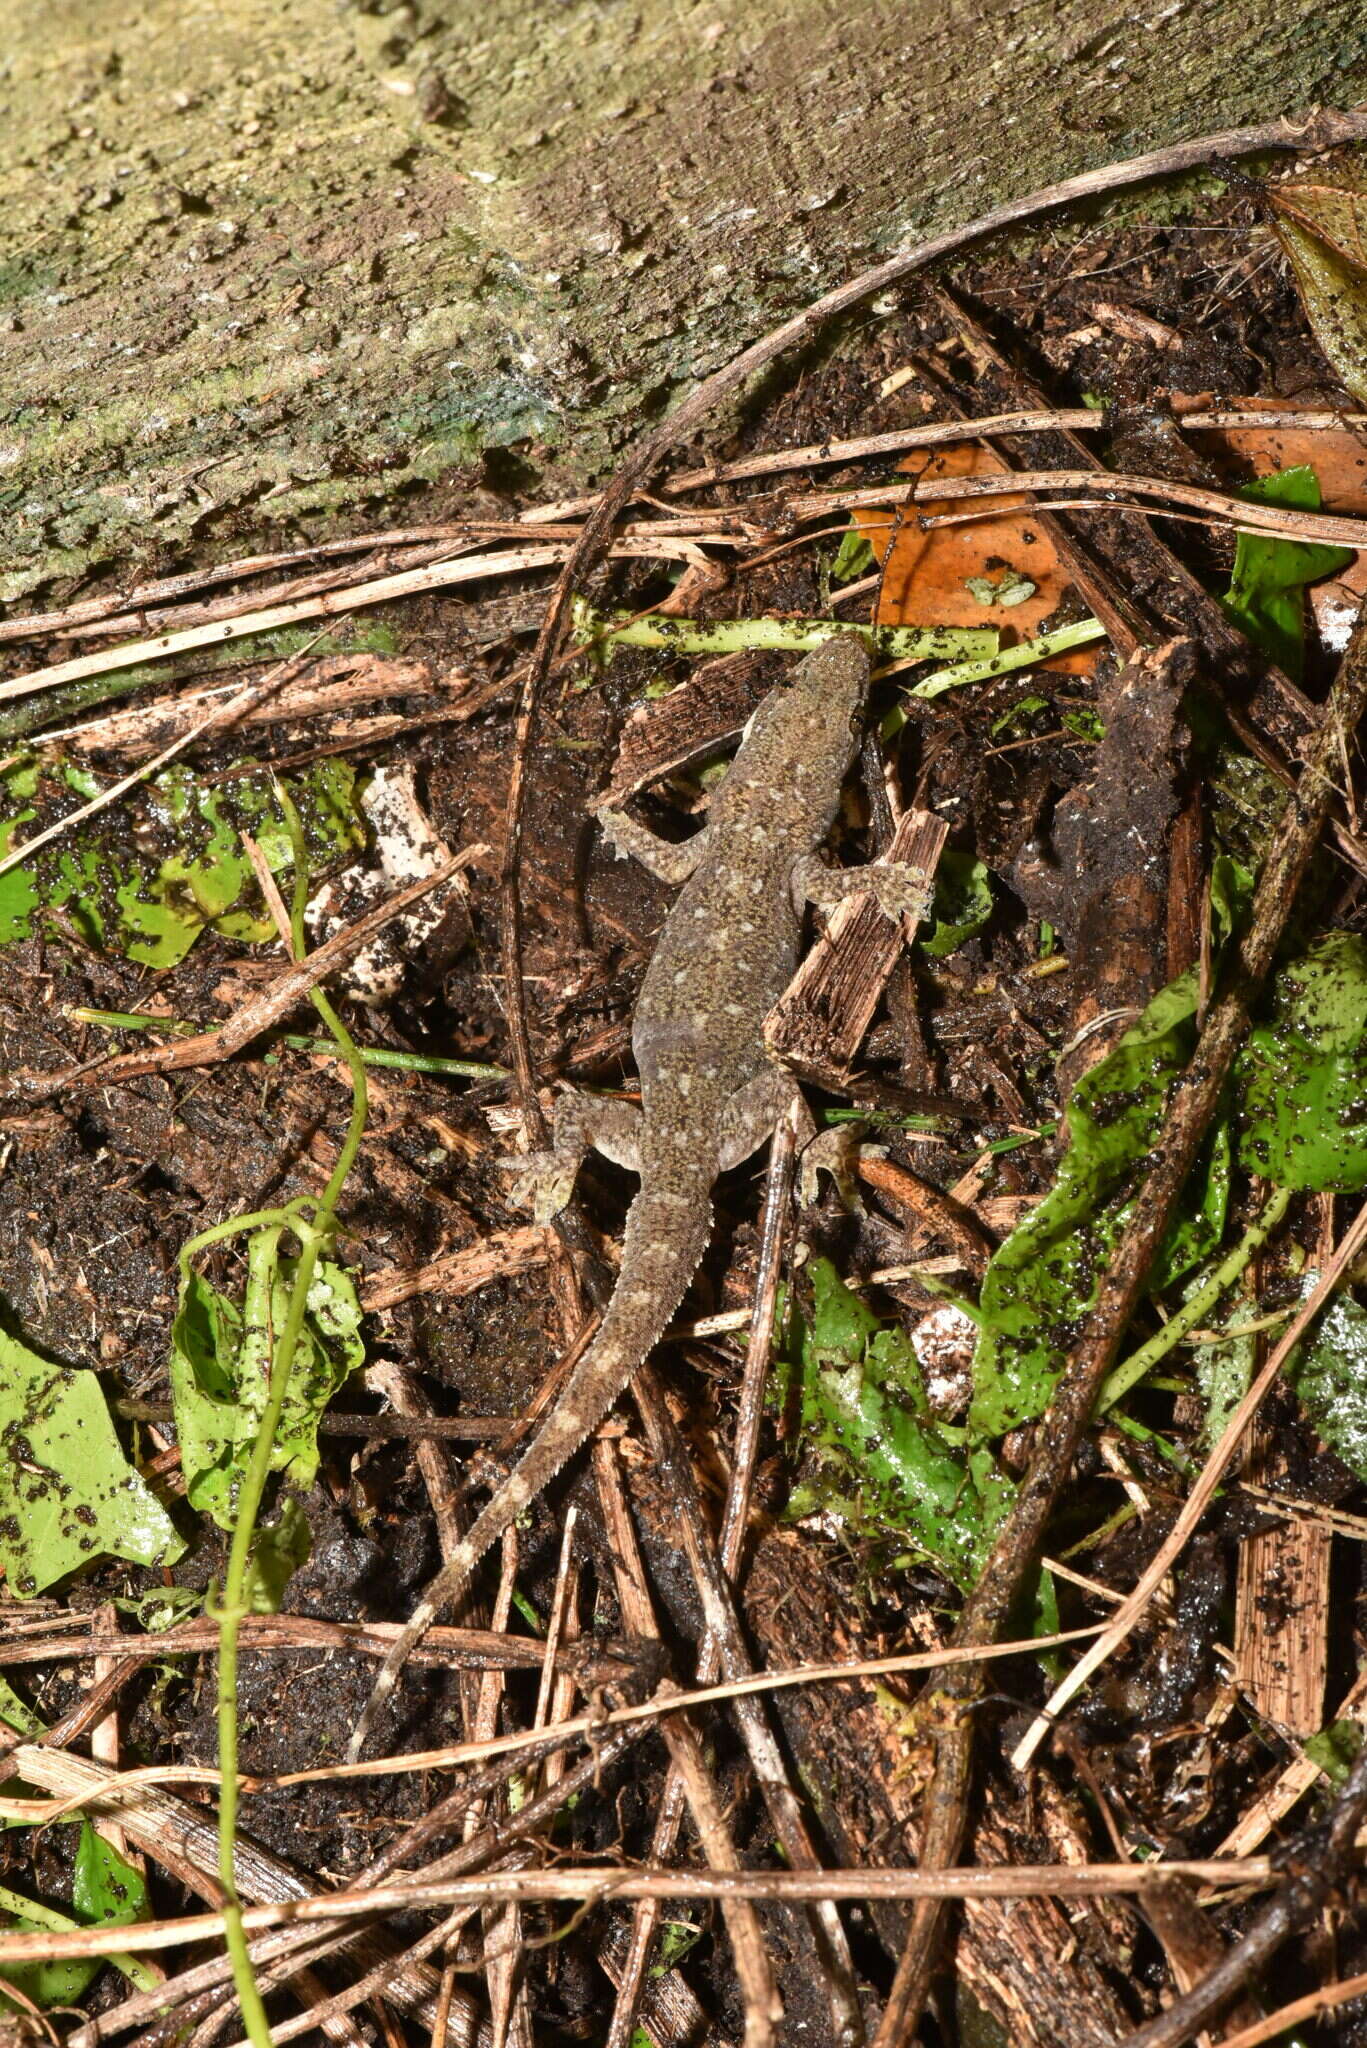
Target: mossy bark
pixel 265 260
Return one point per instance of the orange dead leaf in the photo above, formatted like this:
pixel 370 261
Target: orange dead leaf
pixel 928 574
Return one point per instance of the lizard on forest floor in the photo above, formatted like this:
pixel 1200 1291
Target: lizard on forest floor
pixel 709 1094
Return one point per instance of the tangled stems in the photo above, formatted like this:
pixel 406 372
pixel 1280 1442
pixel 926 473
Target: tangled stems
pixel 1194 1310
pixel 314 1234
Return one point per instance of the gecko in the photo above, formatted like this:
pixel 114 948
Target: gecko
pixel 710 1096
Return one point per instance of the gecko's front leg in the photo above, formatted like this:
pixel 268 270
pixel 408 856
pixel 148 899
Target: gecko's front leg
pixel 898 888
pixel 673 861
pixel 581 1123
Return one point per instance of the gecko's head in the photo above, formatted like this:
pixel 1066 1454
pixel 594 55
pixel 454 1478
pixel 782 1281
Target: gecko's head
pixel 834 682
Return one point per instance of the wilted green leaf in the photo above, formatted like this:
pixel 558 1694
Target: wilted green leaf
pixel 962 903
pixel 1266 595
pixel 1302 1077
pixel 220 1368
pixel 1224 1374
pixel 279 1551
pixel 161 1607
pixel 1043 1281
pixel 1323 228
pixel 1007 589
pixel 67 1493
pixel 148 887
pixel 1231 898
pixel 1245 800
pixel 886 1468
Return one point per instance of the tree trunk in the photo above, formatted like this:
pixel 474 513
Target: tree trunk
pixel 265 261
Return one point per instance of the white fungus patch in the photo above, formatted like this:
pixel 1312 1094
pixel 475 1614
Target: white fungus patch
pixel 944 1341
pixel 407 846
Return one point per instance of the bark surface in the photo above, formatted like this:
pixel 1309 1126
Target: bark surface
pixel 266 260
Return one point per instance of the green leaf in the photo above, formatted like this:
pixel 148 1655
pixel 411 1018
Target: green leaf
pixel 1303 1076
pixel 281 1548
pixel 1335 1749
pixel 67 1493
pixel 1043 1281
pixel 885 1466
pixel 220 1366
pixel 677 1937
pixel 148 889
pixel 854 557
pixel 105 1890
pixel 1026 707
pixel 1266 595
pixel 962 904
pixel 1084 724
pixel 16 1713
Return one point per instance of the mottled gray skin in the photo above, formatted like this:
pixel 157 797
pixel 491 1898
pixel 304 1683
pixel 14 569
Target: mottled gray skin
pixel 709 1095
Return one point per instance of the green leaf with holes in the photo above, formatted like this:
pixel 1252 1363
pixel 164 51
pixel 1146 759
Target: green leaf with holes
pixel 1329 1373
pixel 1302 1076
pixel 1042 1283
pixel 883 1464
pixel 961 906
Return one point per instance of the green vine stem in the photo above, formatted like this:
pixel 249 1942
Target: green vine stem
pixel 314 1236
pixel 372 1055
pixel 1193 1311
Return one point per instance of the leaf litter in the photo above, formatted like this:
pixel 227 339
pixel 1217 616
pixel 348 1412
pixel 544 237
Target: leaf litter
pixel 906 1484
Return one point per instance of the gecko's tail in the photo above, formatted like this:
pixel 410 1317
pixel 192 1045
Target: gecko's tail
pixel 664 1241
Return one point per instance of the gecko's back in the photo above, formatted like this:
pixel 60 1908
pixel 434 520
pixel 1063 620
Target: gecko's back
pixel 723 959
pixel 729 944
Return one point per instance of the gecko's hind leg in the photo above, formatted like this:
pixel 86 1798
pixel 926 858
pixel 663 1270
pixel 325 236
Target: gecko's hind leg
pixel 835 1151
pixel 581 1123
pixel 753 1114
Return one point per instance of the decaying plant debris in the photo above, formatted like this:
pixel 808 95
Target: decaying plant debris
pixel 979 1431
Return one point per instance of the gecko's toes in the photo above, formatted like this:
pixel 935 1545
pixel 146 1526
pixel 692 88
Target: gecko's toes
pixel 543 1184
pixel 901 891
pixel 615 829
pixel 836 1152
